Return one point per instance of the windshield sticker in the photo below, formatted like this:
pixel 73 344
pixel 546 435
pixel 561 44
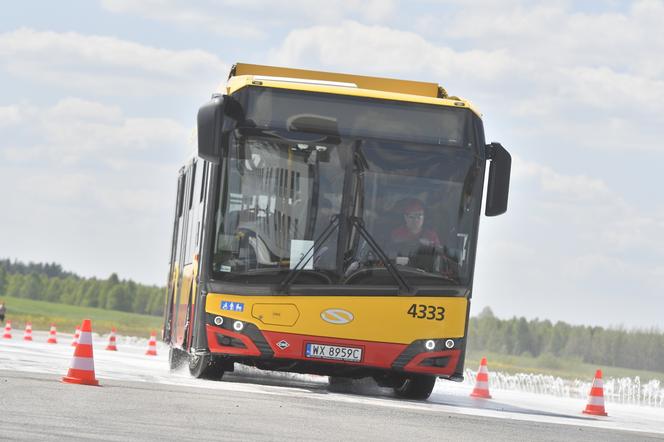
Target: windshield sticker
pixel 232 306
pixel 298 249
pixel 223 268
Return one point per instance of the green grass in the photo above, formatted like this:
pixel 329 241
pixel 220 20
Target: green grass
pixel 67 317
pixel 566 368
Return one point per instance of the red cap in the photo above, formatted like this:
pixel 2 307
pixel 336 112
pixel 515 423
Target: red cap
pixel 413 205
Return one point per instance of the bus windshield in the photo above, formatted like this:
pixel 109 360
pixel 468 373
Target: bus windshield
pixel 332 187
pixel 283 195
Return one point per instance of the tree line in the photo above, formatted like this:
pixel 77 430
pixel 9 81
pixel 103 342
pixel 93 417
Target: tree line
pixel 638 349
pixel 49 282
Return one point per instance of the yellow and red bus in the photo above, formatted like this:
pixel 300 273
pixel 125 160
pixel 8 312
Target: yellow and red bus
pixel 328 225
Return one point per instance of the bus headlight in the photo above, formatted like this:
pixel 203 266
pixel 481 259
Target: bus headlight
pixel 449 343
pixel 430 344
pixel 218 320
pixel 238 326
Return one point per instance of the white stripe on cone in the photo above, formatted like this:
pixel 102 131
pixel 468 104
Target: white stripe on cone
pixel 596 400
pixel 86 338
pixel 83 364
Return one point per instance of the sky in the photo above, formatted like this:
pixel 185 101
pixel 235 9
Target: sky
pixel 98 100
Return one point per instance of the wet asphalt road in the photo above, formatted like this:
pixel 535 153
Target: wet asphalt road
pixel 39 407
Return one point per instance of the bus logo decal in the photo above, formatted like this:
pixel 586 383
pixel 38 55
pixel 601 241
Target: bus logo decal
pixel 337 316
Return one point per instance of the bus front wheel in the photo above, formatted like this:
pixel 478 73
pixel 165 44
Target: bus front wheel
pixel 415 387
pixel 205 367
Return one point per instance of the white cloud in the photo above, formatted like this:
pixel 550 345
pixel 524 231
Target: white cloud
pixel 594 265
pixel 53 186
pixel 90 220
pixel 587 225
pixel 640 233
pixel 9 115
pixel 558 32
pixel 573 243
pixel 353 47
pixel 605 62
pixel 76 131
pixel 213 16
pixel 91 186
pixel 253 19
pixel 602 89
pixel 106 65
pixel 502 20
pixel 570 188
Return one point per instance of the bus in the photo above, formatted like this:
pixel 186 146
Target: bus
pixel 327 224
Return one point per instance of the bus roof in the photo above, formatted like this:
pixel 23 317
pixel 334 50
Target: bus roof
pixel 243 74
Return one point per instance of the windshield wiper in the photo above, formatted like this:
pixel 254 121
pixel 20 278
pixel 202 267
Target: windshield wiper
pixel 398 277
pixel 284 285
pixel 361 165
pixel 422 272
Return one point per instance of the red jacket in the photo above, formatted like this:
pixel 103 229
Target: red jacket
pixel 402 234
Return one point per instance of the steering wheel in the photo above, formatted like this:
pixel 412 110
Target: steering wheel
pixel 426 256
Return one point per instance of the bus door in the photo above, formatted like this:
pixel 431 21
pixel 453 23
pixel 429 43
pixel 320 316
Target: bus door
pixel 192 247
pixel 174 263
pixel 183 265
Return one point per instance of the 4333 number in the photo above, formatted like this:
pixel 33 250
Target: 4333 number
pixel 423 311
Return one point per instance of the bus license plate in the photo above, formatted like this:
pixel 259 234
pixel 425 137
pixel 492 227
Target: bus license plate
pixel 324 351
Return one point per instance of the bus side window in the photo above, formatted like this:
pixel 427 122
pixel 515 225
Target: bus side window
pixel 193 187
pixel 191 216
pixel 199 215
pixel 203 183
pixel 177 230
pixel 181 180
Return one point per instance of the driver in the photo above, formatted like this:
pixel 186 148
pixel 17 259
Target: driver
pixel 411 236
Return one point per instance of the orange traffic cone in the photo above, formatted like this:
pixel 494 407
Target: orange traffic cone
pixel 51 335
pixel 152 345
pixel 8 330
pixel 596 398
pixel 77 335
pixel 482 382
pixel 82 368
pixel 27 335
pixel 111 341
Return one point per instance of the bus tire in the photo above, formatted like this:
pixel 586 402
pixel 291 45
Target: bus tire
pixel 205 367
pixel 415 387
pixel 176 358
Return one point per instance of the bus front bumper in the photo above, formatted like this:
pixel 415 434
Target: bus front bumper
pixel 427 356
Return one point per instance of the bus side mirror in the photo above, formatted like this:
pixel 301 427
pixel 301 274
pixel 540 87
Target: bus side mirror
pixel 210 129
pixel 499 179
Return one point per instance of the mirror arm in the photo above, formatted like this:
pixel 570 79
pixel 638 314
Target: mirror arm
pixel 490 150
